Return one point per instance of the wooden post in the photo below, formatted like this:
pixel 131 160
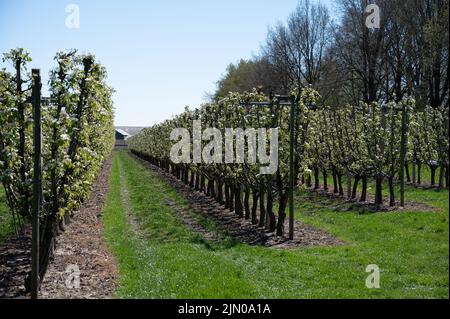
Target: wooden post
pixel 403 156
pixel 292 169
pixel 37 184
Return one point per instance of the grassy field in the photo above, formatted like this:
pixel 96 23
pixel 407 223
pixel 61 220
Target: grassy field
pixel 6 222
pixel 164 259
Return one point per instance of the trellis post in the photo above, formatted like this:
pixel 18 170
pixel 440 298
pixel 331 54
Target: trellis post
pixel 291 169
pixel 403 156
pixel 37 184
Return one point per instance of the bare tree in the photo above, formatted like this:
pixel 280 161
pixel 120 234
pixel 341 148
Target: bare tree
pixel 297 48
pixel 362 50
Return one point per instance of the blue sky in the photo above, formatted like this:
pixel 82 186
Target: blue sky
pixel 160 54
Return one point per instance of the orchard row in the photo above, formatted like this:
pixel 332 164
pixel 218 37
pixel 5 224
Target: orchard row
pixel 77 136
pixel 353 144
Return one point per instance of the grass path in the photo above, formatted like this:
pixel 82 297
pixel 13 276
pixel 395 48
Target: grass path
pixel 164 259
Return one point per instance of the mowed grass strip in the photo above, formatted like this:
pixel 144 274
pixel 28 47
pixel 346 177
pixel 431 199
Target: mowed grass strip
pixel 164 259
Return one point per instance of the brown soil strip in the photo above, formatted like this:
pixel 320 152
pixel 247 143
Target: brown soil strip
pixel 369 203
pixel 15 259
pixel 83 245
pixel 427 185
pixel 182 213
pixel 240 229
pixel 193 224
pixel 131 219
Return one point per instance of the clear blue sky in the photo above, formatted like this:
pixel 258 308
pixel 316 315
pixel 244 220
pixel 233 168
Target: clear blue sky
pixel 160 54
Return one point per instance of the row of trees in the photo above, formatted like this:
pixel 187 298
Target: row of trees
pixel 77 135
pixel 353 143
pixel 233 184
pixel 366 142
pixel 347 62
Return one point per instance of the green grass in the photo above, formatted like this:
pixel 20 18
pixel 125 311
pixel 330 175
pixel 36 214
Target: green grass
pixel 164 259
pixel 6 220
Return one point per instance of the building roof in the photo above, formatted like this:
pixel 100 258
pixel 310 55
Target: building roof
pixel 122 132
pixel 130 130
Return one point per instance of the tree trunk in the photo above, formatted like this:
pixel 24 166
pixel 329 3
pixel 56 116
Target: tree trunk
pixel 325 180
pixel 47 246
pixel 341 189
pixel 378 191
pixel 408 177
pixel 391 191
pixel 283 201
pixel 270 214
pixel 254 207
pixel 238 200
pixel 355 186
pixel 441 176
pixel 363 197
pixel 446 176
pixel 48 229
pixel 231 203
pixel 335 182
pixel 247 202
pixel 433 174
pixel 186 176
pixel 213 188
pixel 316 178
pixel 220 191
pixel 61 226
pixel 197 182
pixel 262 209
pixel 208 188
pixel 202 183
pixel 419 166
pixel 67 217
pixel 227 195
pixel 349 185
pixel 192 182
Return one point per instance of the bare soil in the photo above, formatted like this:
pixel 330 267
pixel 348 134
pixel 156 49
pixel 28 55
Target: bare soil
pixel 81 245
pixel 369 205
pixel 15 259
